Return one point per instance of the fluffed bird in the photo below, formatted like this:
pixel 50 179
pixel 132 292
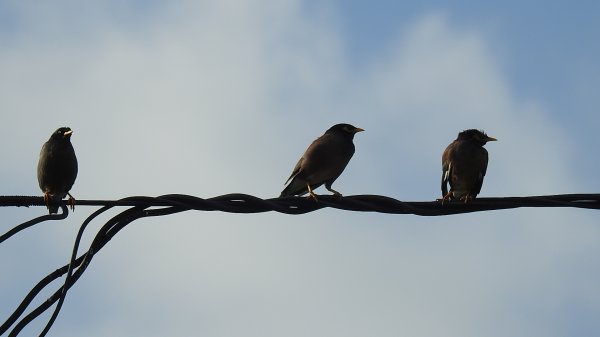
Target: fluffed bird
pixel 464 164
pixel 323 162
pixel 57 169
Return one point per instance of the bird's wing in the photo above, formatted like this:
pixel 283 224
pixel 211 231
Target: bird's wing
pixel 296 170
pixel 482 158
pixel 315 149
pixel 296 187
pixel 446 172
pixel 41 168
pixel 447 167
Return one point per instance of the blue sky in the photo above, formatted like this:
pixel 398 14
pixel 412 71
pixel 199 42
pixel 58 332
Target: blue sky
pixel 213 97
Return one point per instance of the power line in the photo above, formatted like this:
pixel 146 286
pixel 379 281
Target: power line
pixel 244 203
pixel 141 206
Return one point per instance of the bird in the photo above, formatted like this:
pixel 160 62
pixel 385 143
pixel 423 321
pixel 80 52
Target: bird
pixel 57 169
pixel 322 162
pixel 464 164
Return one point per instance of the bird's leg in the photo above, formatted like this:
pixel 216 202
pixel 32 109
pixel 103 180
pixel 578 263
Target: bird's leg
pixel 311 194
pixel 71 202
pixel 335 193
pixel 447 197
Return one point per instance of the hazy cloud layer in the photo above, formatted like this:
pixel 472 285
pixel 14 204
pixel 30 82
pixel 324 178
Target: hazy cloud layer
pixel 208 98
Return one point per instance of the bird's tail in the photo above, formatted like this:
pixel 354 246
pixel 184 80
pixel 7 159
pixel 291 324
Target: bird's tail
pixel 295 187
pixel 52 203
pixel 52 209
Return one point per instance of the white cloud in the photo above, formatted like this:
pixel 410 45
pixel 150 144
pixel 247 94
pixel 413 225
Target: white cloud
pixel 207 100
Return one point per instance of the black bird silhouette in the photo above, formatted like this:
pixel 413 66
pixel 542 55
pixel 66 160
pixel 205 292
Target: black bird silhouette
pixel 464 164
pixel 323 161
pixel 57 169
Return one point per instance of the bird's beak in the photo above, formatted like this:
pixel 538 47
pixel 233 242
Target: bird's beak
pixel 68 133
pixel 358 130
pixel 490 139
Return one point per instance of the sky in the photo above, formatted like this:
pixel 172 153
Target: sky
pixel 214 97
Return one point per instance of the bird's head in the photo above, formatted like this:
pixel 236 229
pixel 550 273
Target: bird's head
pixel 62 133
pixel 344 129
pixel 476 136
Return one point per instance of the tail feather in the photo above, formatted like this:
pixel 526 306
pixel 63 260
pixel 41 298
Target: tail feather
pixel 52 209
pixel 53 202
pixel 295 187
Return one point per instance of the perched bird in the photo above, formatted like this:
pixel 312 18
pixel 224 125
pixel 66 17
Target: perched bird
pixel 464 164
pixel 323 161
pixel 57 169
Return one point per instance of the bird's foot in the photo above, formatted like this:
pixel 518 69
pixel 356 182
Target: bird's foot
pixel 335 193
pixel 71 202
pixel 447 197
pixel 466 198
